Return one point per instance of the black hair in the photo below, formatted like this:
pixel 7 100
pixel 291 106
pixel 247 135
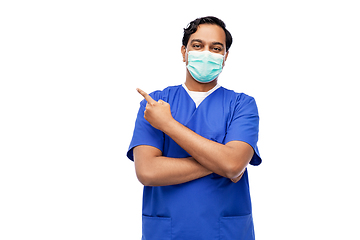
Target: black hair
pixel 193 26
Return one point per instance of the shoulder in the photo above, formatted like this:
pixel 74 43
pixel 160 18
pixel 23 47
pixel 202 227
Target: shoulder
pixel 165 94
pixel 236 97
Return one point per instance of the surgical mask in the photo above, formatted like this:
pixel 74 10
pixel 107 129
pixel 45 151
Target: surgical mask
pixel 204 66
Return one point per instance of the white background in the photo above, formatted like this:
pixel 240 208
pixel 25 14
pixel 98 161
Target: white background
pixel 69 70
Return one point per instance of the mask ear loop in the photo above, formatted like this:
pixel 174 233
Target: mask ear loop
pixel 186 56
pixel 224 59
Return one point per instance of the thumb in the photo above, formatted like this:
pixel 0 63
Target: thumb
pixel 161 102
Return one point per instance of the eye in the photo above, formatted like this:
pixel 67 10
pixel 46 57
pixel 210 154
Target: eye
pixel 196 46
pixel 217 49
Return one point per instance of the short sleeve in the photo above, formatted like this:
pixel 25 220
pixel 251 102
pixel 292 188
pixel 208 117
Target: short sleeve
pixel 145 134
pixel 244 125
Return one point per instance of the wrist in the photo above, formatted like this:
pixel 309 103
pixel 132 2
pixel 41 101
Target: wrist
pixel 169 126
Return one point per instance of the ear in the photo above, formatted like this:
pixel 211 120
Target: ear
pixel 183 52
pixel 226 56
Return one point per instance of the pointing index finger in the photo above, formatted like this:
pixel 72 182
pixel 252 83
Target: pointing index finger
pixel 146 96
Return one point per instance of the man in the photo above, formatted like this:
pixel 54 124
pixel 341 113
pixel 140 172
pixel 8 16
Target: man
pixel 192 144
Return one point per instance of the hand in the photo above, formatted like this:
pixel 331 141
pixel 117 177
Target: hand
pixel 157 113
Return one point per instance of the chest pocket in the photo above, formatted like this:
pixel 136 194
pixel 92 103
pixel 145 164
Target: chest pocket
pixel 210 125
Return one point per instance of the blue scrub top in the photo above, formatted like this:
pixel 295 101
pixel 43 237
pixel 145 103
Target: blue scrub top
pixel 212 207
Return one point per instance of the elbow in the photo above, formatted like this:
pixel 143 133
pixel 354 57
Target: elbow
pixel 233 171
pixel 144 178
pixel 146 165
pixel 232 174
pixel 144 172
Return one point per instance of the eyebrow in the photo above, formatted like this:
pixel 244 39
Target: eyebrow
pixel 217 43
pixel 201 41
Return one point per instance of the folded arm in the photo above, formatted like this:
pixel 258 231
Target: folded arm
pixel 229 160
pixel 153 169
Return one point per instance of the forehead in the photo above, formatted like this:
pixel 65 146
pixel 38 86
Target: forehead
pixel 209 33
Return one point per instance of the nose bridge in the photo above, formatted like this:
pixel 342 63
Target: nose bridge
pixel 207 47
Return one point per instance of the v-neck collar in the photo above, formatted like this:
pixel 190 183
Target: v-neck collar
pixel 199 97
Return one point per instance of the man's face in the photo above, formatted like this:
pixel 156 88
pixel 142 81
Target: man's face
pixel 208 37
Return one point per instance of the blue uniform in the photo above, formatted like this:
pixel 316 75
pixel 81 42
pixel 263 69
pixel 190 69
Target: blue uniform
pixel 212 207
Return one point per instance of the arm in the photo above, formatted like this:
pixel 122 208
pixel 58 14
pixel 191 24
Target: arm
pixel 228 160
pixel 152 169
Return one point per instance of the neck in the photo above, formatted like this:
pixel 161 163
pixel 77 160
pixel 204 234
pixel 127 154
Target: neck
pixel 196 86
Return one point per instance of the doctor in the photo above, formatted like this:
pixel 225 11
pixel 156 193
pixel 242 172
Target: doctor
pixel 191 146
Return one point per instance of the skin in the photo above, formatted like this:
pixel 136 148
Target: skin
pixel 210 38
pixel 229 160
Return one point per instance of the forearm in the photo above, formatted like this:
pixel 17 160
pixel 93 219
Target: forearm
pixel 219 158
pixel 171 171
pixel 163 171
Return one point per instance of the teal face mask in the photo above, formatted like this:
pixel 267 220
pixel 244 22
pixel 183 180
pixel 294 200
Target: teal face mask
pixel 204 66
